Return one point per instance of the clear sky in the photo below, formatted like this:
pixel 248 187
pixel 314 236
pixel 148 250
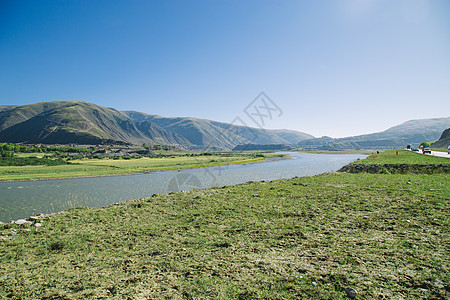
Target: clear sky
pixel 335 68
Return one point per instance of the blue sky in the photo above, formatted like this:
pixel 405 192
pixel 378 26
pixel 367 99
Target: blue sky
pixel 335 68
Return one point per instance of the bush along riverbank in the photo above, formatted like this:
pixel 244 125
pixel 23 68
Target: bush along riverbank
pixel 396 169
pixel 381 236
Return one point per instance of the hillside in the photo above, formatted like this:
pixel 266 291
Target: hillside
pixel 411 132
pixel 78 122
pixel 6 107
pixel 212 134
pixel 444 140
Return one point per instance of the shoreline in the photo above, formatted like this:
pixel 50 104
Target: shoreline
pixel 148 171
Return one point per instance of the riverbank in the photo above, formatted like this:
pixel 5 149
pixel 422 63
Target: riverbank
pixel 399 162
pixel 89 168
pixel 284 239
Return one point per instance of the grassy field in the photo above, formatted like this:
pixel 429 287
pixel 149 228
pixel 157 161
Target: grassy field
pixel 403 157
pixel 102 167
pixel 39 155
pixel 287 239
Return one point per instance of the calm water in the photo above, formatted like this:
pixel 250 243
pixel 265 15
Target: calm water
pixel 23 199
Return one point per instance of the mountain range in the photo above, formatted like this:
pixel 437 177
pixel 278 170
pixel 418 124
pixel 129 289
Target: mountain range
pixel 411 132
pixel 79 122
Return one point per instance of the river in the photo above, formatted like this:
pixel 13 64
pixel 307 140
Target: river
pixel 23 199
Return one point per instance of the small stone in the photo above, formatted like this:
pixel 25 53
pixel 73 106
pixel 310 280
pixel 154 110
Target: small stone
pixel 33 218
pixel 37 224
pixel 255 195
pixel 432 189
pixel 21 222
pixel 351 293
pixel 409 221
pixel 408 182
pixel 365 217
pixel 27 229
pixel 314 283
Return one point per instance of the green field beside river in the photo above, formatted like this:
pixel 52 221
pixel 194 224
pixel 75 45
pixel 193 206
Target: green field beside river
pixel 384 235
pixel 104 167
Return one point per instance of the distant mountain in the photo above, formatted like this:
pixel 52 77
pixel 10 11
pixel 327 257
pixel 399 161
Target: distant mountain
pixel 293 137
pixel 409 133
pixel 79 122
pixel 212 134
pixel 444 140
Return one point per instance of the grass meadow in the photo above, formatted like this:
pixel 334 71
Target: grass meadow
pixel 384 235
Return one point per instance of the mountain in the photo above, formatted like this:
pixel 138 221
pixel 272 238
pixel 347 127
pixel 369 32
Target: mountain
pixel 411 132
pixel 212 134
pixel 444 140
pixel 79 122
pixel 17 114
pixel 293 137
pixel 6 107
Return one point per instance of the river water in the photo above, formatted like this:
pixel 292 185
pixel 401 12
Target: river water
pixel 23 199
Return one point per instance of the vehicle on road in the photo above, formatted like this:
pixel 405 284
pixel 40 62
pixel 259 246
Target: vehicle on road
pixel 426 151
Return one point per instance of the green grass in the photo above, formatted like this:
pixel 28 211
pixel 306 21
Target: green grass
pixel 38 155
pixel 137 165
pixel 264 240
pixel 102 167
pixel 403 157
pixel 287 239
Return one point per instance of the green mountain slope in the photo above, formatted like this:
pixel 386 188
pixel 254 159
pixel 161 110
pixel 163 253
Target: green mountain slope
pixel 411 132
pixel 18 114
pixel 444 140
pixel 78 122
